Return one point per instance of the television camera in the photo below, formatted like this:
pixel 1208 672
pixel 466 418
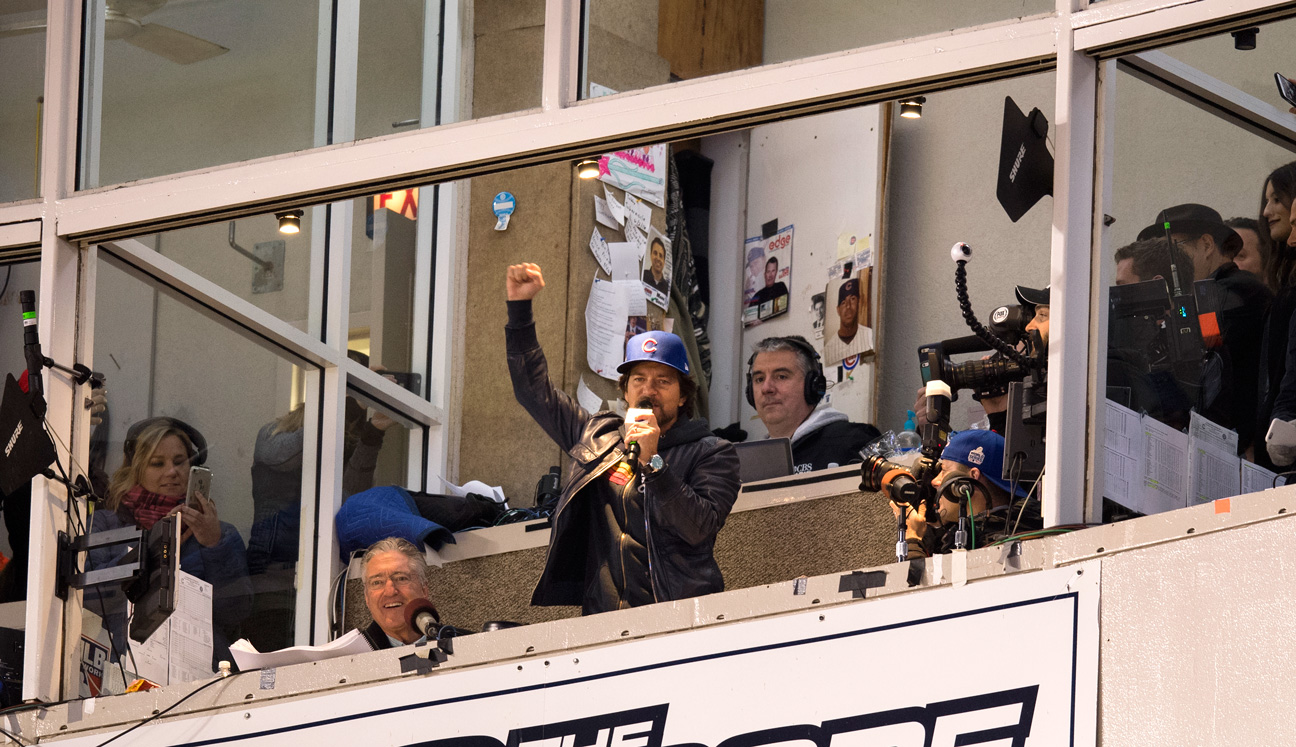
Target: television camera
pixel 1022 373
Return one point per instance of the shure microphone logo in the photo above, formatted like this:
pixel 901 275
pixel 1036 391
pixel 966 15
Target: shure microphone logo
pixel 1021 153
pixel 13 440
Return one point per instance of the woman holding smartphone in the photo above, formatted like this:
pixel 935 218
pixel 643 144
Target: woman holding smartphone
pixel 153 482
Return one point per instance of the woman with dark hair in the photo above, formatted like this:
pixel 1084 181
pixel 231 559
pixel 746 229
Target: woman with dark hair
pixel 153 482
pixel 1280 274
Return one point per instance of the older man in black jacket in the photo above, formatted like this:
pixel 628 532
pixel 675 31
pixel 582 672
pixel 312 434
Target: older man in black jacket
pixel 626 531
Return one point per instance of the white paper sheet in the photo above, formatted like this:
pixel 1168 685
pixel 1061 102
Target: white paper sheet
pixel 1255 478
pixel 180 650
pixel 599 247
pixel 587 398
pixel 638 213
pixel 1122 446
pixel 247 657
pixel 603 214
pixel 605 322
pixel 641 171
pixel 636 300
pixel 614 206
pixel 625 262
pixel 494 492
pixel 1165 476
pixel 638 239
pixel 1214 469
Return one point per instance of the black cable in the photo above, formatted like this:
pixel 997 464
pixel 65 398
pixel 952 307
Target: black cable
pixel 169 708
pixel 8 276
pixel 1010 352
pixel 14 737
pixel 1287 476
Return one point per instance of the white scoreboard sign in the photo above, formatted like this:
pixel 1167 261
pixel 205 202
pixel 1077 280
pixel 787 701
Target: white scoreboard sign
pixel 1009 661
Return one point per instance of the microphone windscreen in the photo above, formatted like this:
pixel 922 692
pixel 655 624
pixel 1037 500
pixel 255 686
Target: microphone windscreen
pixel 416 607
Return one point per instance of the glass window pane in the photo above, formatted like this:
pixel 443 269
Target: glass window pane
pixel 384 260
pixel 191 85
pixel 414 70
pixel 631 46
pixel 15 528
pixel 377 443
pixel 1198 315
pixel 253 258
pixel 22 88
pixel 165 359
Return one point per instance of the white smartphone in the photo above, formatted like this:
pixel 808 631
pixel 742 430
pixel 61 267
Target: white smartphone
pixel 200 480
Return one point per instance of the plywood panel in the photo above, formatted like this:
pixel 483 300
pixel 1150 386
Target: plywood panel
pixel 705 37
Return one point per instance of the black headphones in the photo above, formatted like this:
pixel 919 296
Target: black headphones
pixel 196 457
pixel 816 384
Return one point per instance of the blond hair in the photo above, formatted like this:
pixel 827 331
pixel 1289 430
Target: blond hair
pixel 128 474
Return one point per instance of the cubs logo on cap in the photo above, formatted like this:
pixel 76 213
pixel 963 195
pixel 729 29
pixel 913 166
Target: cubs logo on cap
pixel 656 346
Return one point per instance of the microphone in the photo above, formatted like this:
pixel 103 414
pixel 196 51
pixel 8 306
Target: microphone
pixel 31 342
pixel 632 449
pixel 422 616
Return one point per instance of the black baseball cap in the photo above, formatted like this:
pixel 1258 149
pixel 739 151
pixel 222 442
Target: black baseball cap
pixel 1195 219
pixel 1033 297
pixel 848 289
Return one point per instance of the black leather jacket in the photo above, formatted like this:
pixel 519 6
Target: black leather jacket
pixel 686 503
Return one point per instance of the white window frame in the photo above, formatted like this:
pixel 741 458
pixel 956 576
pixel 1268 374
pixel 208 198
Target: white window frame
pixel 1074 40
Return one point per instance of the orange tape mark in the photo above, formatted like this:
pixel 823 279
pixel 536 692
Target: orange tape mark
pixel 1210 329
pixel 1223 506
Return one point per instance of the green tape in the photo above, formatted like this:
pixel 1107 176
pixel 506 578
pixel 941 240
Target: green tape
pixel 1166 226
pixel 29 315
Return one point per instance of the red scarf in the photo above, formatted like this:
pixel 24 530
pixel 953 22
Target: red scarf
pixel 145 508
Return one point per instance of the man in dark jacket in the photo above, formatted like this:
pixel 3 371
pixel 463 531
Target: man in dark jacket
pixel 785 384
pixel 626 531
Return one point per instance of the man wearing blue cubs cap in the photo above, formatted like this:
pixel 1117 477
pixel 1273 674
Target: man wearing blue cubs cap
pixel 971 472
pixel 625 532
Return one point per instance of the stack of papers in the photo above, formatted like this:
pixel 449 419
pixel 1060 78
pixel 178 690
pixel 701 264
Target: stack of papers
pixel 247 657
pixel 1151 467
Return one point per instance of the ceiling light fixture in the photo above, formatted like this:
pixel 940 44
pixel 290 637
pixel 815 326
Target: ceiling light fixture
pixel 1245 39
pixel 911 108
pixel 289 221
pixel 587 168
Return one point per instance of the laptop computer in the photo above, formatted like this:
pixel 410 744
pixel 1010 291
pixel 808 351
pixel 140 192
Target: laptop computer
pixel 764 459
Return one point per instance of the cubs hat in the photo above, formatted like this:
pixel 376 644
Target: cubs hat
pixel 848 289
pixel 983 450
pixel 658 347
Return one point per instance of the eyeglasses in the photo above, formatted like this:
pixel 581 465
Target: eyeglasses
pixel 378 582
pixel 1182 244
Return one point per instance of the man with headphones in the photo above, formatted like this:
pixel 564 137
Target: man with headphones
pixel 785 384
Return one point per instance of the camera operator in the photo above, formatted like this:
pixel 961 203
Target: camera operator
pixel 1035 302
pixel 971 470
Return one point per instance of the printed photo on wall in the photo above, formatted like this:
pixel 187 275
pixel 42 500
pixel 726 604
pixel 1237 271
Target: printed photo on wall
pixel 847 328
pixel 769 271
pixel 818 305
pixel 657 268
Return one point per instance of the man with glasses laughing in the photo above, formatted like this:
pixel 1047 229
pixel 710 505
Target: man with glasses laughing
pixel 395 574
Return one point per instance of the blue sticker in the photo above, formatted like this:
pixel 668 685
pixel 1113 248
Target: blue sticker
pixel 503 204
